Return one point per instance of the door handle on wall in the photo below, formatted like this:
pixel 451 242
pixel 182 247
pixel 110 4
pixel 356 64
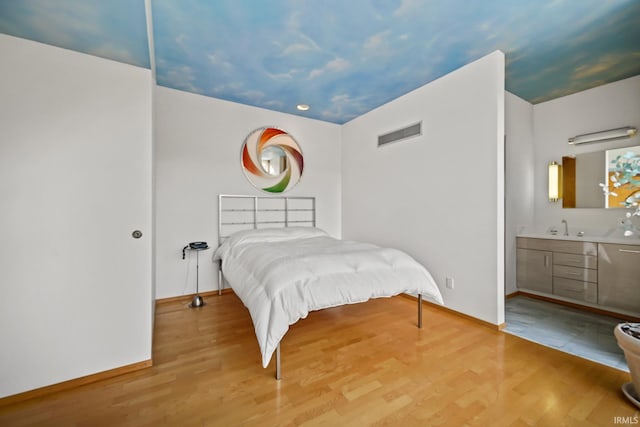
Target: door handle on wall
pixel 136 234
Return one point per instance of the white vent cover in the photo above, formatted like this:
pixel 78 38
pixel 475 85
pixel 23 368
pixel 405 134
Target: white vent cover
pixel 400 134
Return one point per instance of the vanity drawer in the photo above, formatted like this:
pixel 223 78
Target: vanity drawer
pixel 575 273
pixel 573 260
pixel 575 289
pixel 565 246
pixel 530 243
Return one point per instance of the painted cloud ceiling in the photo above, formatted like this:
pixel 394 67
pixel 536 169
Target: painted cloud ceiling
pixel 343 58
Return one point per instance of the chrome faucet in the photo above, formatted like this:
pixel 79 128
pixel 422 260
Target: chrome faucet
pixel 566 227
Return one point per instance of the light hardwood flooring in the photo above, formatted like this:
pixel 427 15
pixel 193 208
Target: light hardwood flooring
pixel 364 364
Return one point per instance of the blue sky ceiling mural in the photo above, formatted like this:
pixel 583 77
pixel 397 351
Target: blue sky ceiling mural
pixel 343 58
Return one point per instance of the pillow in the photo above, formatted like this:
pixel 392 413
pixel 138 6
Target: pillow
pixel 268 235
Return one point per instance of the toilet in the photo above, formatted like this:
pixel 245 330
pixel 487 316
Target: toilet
pixel 631 347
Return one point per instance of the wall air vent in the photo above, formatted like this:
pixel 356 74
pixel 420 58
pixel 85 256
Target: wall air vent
pixel 400 134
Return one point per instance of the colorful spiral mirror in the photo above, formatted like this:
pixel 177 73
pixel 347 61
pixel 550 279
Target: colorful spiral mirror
pixel 272 160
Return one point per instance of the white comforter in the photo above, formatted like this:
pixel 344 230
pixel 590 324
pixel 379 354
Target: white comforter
pixel 282 274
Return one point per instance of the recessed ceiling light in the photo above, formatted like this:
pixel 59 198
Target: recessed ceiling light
pixel 302 107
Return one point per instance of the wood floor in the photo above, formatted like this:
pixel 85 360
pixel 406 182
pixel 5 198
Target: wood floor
pixel 365 364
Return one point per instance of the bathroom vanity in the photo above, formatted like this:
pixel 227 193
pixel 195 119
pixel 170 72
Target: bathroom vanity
pixel 599 273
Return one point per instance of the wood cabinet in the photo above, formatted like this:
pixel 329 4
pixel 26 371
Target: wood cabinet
pixel 534 270
pixel 619 276
pixel 571 268
pixel 603 275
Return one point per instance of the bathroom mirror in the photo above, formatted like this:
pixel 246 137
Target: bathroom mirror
pixel 271 160
pixel 582 175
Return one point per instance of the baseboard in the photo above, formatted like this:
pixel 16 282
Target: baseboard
pixel 457 313
pixel 513 294
pixel 185 298
pixel 76 382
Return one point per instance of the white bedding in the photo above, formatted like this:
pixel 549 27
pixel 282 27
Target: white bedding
pixel 281 274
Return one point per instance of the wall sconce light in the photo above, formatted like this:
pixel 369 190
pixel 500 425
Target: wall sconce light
pixel 605 135
pixel 555 182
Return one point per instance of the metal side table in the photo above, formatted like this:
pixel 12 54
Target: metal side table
pixel 197 300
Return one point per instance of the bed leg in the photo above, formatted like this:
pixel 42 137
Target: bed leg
pixel 278 374
pixel 219 278
pixel 419 310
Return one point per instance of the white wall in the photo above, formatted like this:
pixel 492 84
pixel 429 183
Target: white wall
pixel 198 143
pixel 605 107
pixel 438 196
pixel 519 179
pixel 75 181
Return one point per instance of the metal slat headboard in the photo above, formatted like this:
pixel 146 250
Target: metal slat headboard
pixel 240 212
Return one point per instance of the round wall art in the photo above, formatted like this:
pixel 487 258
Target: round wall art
pixel 272 160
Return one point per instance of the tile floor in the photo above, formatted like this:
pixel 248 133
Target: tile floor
pixel 567 329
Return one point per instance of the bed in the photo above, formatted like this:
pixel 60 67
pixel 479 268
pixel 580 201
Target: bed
pixel 282 266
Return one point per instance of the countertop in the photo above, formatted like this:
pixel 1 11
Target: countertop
pixel 614 236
